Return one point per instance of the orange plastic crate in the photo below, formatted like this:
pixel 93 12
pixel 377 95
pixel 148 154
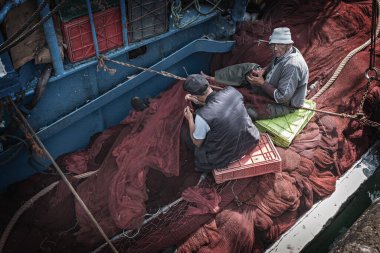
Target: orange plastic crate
pixel 263 159
pixel 78 36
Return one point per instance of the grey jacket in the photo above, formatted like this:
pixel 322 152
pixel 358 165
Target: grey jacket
pixel 285 81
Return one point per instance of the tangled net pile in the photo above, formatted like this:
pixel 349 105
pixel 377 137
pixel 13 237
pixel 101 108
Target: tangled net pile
pixel 142 164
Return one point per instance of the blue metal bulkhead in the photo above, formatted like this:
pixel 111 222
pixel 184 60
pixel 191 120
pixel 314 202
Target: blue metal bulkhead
pixel 9 79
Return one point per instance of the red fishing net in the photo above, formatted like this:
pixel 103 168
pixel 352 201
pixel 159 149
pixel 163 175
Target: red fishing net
pixel 143 166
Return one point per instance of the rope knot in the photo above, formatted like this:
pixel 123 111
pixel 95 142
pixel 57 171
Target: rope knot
pixel 238 202
pixel 102 65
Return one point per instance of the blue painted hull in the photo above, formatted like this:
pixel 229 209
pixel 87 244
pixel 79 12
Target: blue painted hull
pixel 84 101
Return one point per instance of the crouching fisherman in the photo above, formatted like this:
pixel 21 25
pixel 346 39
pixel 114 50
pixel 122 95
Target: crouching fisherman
pixel 284 80
pixel 222 131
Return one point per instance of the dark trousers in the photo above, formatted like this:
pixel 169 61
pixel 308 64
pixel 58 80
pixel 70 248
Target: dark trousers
pixel 273 111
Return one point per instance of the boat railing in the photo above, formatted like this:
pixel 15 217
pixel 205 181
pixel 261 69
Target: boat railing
pixel 62 69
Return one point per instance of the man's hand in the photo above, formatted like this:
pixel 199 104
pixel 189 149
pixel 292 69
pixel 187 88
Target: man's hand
pixel 193 99
pixel 188 114
pixel 256 78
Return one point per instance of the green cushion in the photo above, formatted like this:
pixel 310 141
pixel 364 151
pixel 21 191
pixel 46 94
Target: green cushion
pixel 284 129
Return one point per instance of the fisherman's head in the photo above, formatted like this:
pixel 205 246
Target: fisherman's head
pixel 280 41
pixel 197 85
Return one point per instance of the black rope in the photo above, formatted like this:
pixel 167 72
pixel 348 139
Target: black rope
pixel 24 26
pixel 32 29
pixel 15 148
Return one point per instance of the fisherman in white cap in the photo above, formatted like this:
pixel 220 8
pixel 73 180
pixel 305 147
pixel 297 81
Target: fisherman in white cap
pixel 284 79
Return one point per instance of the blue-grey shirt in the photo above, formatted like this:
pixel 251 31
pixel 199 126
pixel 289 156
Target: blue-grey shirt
pixel 287 77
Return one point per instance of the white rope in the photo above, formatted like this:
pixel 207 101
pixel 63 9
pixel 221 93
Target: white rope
pixel 345 60
pixel 28 204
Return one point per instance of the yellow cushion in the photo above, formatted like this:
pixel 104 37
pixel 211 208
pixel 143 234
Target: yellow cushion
pixel 284 129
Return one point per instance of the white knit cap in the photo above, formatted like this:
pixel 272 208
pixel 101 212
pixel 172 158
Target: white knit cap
pixel 281 35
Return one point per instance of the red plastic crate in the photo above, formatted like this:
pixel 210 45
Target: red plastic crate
pixel 263 159
pixel 78 37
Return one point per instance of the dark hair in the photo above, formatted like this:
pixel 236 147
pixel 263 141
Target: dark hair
pixel 196 84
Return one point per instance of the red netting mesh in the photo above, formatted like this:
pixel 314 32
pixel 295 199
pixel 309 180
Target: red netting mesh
pixel 143 166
